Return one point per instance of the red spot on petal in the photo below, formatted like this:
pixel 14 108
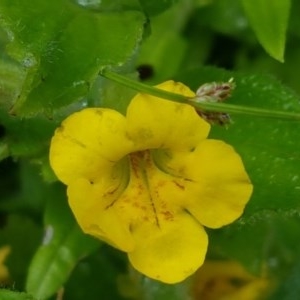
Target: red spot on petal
pixel 167 215
pixel 182 187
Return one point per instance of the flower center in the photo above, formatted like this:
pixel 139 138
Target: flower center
pixel 143 200
pixel 141 165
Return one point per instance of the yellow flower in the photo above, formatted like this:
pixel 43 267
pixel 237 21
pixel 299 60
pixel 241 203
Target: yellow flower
pixel 228 280
pixel 148 182
pixel 4 252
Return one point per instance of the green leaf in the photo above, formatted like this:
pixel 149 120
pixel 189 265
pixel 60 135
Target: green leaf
pixel 98 276
pixel 63 245
pixel 137 286
pixel 289 288
pixel 109 94
pixel 222 16
pixel 154 290
pixel 268 244
pixel 269 20
pixel 12 295
pixel 11 79
pixel 154 7
pixel 26 137
pixel 62 46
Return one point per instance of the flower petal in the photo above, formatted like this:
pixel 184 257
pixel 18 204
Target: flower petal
pixel 4 272
pixel 214 184
pixel 91 205
pixel 229 280
pixel 157 123
pixel 169 253
pixel 226 185
pixel 87 143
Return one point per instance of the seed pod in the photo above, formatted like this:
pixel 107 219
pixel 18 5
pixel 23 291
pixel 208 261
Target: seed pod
pixel 214 92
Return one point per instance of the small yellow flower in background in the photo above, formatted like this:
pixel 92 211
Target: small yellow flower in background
pixel 4 252
pixel 228 280
pixel 147 183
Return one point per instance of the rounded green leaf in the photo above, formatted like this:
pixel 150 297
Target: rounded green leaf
pixel 62 46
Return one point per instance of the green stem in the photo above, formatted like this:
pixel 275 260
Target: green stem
pixel 245 110
pixel 204 106
pixel 140 87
